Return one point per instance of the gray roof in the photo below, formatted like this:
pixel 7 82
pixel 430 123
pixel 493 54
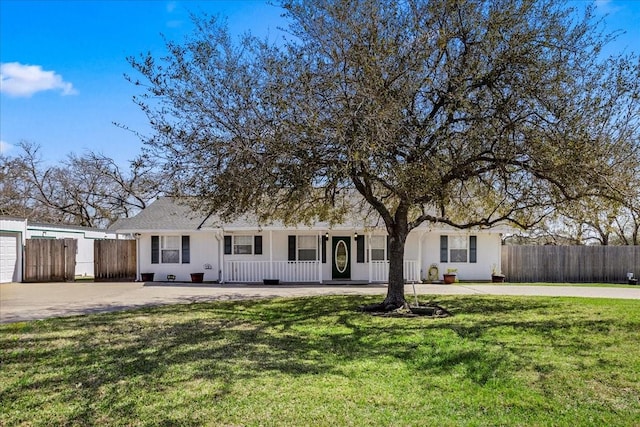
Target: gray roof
pixel 163 214
pixel 119 224
pixel 167 213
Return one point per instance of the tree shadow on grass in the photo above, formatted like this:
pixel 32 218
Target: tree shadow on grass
pixel 89 360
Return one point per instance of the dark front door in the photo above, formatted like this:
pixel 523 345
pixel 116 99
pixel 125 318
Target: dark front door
pixel 341 257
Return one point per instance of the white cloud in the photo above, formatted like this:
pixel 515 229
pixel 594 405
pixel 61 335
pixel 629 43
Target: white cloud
pixel 602 3
pixel 174 23
pixel 5 147
pixel 24 80
pixel 172 10
pixel 606 7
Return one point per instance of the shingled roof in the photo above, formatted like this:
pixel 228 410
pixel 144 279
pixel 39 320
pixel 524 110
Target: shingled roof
pixel 167 213
pixel 163 214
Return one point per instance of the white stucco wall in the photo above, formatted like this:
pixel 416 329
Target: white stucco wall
pixel 207 248
pixel 488 255
pixel 203 252
pixel 14 225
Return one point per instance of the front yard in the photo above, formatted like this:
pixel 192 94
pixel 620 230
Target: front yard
pixel 318 361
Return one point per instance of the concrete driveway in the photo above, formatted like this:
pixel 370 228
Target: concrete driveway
pixel 30 301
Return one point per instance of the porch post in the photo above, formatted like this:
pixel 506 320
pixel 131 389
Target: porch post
pixel 320 242
pixel 370 263
pixel 420 256
pixel 137 236
pixel 271 255
pixel 220 239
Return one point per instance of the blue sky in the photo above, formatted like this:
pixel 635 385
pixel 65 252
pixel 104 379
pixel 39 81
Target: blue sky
pixel 68 59
pixel 63 64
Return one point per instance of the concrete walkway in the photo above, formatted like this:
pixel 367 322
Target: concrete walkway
pixel 30 301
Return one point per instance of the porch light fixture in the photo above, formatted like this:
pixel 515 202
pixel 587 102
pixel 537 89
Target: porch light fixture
pixel 326 236
pixel 355 235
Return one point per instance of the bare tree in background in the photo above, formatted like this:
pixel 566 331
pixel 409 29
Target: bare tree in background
pixel 89 190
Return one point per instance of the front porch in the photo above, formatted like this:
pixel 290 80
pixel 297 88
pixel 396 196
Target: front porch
pixel 245 271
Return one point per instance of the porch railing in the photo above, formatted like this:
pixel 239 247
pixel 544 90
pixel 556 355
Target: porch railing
pixel 380 271
pixel 257 271
pixel 302 271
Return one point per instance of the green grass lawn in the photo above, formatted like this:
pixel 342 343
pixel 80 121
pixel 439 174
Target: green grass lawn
pixel 318 361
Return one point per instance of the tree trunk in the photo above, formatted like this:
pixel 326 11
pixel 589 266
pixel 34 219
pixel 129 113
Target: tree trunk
pixel 398 232
pixel 395 290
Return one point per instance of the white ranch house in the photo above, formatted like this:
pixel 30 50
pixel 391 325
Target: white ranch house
pixel 173 241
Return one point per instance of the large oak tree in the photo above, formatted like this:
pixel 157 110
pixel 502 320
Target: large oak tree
pixel 467 113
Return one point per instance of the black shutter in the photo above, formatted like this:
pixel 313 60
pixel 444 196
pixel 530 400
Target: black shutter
pixel 257 245
pixel 292 248
pixel 186 250
pixel 323 249
pixel 473 249
pixel 444 248
pixel 227 245
pixel 155 250
pixel 360 248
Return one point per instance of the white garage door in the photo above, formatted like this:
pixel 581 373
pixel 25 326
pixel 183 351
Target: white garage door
pixel 9 267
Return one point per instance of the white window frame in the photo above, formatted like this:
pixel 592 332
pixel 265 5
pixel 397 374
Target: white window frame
pixel 310 244
pixel 235 245
pixel 458 245
pixel 166 247
pixel 378 247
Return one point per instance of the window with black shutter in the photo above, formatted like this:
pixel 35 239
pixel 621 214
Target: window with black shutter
pixel 459 249
pixel 170 249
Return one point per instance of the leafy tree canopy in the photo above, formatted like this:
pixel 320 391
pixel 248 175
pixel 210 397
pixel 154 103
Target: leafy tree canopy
pixel 467 113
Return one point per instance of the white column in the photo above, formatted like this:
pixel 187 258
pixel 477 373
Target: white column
pixel 420 238
pixel 220 240
pixel 221 256
pixel 369 253
pixel 138 277
pixel 271 255
pixel 319 242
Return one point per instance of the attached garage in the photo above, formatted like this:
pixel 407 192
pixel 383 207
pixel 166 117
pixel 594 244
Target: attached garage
pixel 10 257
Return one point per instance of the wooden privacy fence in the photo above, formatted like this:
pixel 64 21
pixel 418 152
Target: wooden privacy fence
pixel 114 259
pixel 570 264
pixel 50 260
